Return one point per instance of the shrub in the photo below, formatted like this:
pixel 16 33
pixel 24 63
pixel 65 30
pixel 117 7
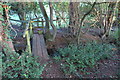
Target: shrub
pixel 114 34
pixel 24 66
pixel 78 57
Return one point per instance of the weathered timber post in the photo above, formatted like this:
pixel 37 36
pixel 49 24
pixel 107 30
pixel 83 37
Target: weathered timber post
pixel 39 49
pixel 42 22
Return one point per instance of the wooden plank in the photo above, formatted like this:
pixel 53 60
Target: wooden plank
pixel 43 47
pixel 34 45
pixel 39 49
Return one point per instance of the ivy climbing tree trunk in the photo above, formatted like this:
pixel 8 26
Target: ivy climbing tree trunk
pixel 6 42
pixel 1 27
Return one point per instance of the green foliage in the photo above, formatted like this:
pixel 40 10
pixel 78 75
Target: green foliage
pixel 114 34
pixel 78 57
pixel 15 66
pixel 1 9
pixel 60 6
pixel 17 7
pixel 24 66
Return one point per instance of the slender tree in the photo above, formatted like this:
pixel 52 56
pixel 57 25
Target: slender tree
pixel 79 30
pixel 109 17
pixel 45 16
pixel 48 35
pixel 51 20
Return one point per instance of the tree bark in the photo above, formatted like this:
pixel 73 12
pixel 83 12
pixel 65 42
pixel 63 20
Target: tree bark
pixel 51 21
pixel 108 21
pixel 119 25
pixel 1 29
pixel 45 16
pixel 5 42
pixel 73 17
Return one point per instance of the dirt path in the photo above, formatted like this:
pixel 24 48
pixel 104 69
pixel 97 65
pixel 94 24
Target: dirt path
pixel 52 70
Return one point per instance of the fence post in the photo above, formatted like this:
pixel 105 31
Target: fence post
pixel 43 25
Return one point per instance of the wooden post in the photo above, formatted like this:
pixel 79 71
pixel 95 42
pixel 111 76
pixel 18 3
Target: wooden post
pixel 42 22
pixel 28 42
pixel 43 25
pixel 39 49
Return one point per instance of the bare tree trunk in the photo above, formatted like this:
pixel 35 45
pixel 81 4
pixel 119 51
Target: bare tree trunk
pixel 45 16
pixel 74 17
pixel 51 20
pixel 109 17
pixel 119 25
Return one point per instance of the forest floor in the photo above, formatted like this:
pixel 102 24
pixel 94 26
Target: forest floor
pixel 107 68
